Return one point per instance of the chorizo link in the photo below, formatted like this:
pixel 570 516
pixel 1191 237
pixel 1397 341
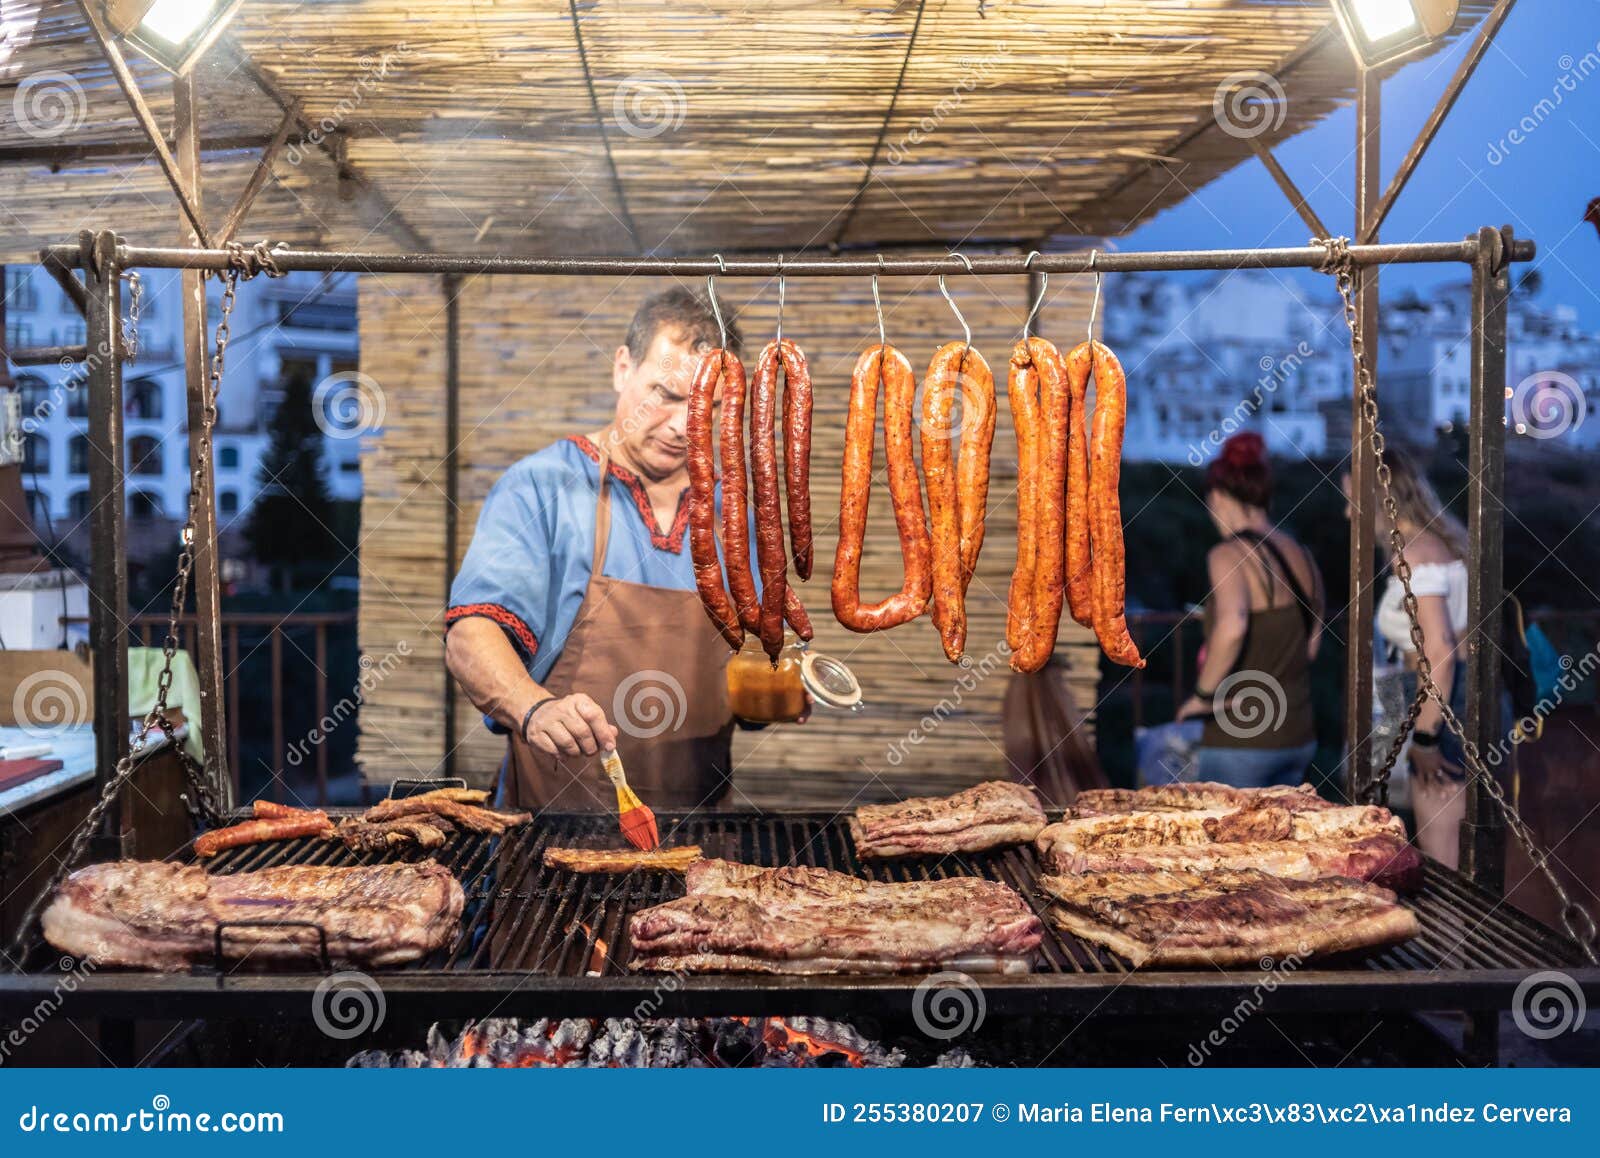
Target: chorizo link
pixel 208 844
pixel 797 453
pixel 1049 574
pixel 887 365
pixel 939 474
pixel 1022 386
pixel 735 496
pixel 1105 509
pixel 1080 577
pixel 703 500
pixel 770 554
pixel 794 613
pixel 976 383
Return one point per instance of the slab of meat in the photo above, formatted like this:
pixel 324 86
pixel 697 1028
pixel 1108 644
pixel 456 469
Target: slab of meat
pixel 1382 860
pixel 463 807
pixel 809 920
pixel 986 815
pixel 1199 794
pixel 1225 918
pixel 403 832
pixel 621 860
pixel 1123 830
pixel 161 915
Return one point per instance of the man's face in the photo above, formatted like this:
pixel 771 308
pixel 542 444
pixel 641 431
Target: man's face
pixel 653 403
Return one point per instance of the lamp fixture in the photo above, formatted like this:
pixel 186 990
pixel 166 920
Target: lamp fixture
pixel 1386 31
pixel 173 33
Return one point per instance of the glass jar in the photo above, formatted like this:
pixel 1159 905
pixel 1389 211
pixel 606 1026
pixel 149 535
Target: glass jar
pixel 762 693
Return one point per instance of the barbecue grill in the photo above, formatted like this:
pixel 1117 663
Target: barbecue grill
pixel 538 942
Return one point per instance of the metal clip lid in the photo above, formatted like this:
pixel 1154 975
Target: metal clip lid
pixel 830 682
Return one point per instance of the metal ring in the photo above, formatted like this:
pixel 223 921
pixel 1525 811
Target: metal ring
pixel 877 303
pixel 1044 284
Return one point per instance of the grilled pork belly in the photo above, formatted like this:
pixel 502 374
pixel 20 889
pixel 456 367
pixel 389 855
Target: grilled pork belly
pixel 808 920
pixel 1225 917
pixel 1380 859
pixel 160 915
pixel 1200 794
pixel 987 815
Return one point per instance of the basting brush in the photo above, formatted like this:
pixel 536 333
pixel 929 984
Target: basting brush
pixel 638 822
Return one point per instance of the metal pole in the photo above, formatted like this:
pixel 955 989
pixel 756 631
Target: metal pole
pixel 1363 477
pixel 336 261
pixel 108 575
pixel 1483 835
pixel 207 589
pixel 452 526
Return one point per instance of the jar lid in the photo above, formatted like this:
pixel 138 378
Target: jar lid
pixel 829 681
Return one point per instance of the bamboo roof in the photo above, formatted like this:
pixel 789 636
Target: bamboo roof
pixel 546 127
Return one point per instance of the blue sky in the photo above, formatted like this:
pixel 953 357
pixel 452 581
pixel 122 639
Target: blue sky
pixel 1472 175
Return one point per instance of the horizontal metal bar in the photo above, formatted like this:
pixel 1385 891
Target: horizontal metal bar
pixel 1307 257
pixel 48 355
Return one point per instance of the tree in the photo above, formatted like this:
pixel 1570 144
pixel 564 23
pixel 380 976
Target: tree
pixel 290 520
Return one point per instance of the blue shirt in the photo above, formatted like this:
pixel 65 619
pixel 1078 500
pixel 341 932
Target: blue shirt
pixel 531 556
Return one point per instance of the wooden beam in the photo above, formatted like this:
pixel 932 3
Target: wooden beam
pixel 1290 189
pixel 132 150
pixel 258 176
pixel 147 121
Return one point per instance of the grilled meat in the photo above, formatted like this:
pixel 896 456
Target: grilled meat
pixel 1380 859
pixel 621 860
pixel 1200 794
pixel 987 815
pixel 1125 830
pixel 461 806
pixel 161 915
pixel 1234 917
pixel 807 920
pixel 424 832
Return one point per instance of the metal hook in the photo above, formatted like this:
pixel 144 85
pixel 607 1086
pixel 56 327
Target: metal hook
pixel 945 290
pixel 780 299
pixel 1044 284
pixel 716 310
pixel 877 303
pixel 1094 308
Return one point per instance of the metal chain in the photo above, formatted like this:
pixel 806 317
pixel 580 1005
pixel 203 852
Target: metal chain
pixel 130 331
pixel 1577 921
pixel 201 800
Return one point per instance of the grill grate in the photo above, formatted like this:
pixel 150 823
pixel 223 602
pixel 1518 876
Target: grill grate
pixel 528 939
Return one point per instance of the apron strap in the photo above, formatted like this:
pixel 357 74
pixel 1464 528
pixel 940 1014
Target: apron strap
pixel 602 519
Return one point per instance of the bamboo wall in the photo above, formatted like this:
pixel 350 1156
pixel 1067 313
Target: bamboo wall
pixel 535 365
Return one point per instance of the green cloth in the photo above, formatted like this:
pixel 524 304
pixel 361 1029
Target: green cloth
pixel 144 677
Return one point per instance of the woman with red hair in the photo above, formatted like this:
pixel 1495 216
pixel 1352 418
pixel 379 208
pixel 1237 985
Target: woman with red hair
pixel 1263 625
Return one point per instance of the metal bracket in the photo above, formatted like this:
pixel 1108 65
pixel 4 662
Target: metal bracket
pixel 1301 204
pixel 259 176
pixel 221 962
pixel 416 787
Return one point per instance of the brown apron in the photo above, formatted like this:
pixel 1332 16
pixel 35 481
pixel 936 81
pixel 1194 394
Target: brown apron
pixel 650 657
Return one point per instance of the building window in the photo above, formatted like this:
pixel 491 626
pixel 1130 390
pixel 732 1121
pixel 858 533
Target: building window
pixel 78 455
pixel 34 393
pixel 228 457
pixel 38 506
pixel 144 505
pixel 144 398
pixel 19 290
pixel 228 503
pixel 144 455
pixel 19 335
pixel 78 506
pixel 35 453
pixel 77 398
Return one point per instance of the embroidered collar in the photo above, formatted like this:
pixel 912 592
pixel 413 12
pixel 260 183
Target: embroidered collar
pixel 669 540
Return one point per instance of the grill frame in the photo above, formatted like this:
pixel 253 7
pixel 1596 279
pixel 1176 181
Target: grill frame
pixel 551 917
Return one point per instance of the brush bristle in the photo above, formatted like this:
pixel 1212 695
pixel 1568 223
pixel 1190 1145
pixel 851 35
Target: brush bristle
pixel 639 827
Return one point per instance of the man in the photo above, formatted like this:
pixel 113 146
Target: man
pixel 574 624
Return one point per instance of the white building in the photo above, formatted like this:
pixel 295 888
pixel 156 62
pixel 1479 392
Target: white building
pixel 302 324
pixel 1242 351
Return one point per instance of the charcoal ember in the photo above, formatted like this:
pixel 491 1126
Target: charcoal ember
pixel 955 1059
pixel 370 1059
pixel 571 1036
pixel 676 1043
pixel 736 1043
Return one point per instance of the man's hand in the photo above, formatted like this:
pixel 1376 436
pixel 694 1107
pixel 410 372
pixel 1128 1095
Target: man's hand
pixel 571 726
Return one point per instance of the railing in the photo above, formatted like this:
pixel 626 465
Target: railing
pixel 250 638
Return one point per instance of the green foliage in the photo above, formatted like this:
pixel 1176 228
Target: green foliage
pixel 290 524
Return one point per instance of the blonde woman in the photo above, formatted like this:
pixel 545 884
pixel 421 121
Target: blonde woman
pixel 1436 548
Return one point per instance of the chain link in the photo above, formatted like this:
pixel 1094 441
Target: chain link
pixel 130 331
pixel 202 800
pixel 1579 924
